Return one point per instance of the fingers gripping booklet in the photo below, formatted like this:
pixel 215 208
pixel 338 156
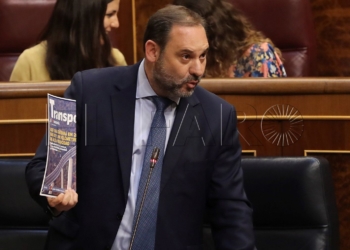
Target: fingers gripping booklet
pixel 60 170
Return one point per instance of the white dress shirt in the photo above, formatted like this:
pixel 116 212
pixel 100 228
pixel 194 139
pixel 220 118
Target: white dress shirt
pixel 144 111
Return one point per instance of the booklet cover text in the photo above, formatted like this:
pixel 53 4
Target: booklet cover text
pixel 60 171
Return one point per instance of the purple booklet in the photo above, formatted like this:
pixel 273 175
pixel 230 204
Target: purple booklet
pixel 60 171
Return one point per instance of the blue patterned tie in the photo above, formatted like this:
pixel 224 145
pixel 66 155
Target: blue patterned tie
pixel 145 233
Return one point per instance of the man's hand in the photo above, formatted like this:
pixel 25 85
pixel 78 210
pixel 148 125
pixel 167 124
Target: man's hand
pixel 63 202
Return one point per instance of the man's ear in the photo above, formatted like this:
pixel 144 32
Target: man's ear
pixel 152 51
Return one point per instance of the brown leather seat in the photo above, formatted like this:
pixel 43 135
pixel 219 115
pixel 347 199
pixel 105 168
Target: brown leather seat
pixel 289 25
pixel 21 22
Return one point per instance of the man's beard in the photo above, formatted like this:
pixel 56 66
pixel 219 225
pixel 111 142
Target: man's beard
pixel 170 84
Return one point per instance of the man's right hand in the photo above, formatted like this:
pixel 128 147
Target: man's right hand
pixel 63 202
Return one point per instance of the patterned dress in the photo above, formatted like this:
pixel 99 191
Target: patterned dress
pixel 260 60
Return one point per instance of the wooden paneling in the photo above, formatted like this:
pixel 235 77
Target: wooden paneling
pixel 331 21
pixel 143 10
pixel 252 138
pixel 23 115
pixel 18 139
pixel 20 108
pixel 316 110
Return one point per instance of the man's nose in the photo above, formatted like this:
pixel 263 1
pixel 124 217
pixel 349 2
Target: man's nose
pixel 197 67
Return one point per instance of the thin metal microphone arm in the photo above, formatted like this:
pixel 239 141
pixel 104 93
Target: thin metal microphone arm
pixel 153 162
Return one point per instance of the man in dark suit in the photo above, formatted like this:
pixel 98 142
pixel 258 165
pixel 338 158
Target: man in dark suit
pixel 201 168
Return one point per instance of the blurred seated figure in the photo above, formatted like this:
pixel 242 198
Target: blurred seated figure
pixel 291 29
pixel 236 49
pixel 75 39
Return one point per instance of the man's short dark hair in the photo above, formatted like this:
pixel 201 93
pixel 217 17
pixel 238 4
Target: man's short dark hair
pixel 161 22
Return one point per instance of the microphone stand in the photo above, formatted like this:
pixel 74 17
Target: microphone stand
pixel 153 161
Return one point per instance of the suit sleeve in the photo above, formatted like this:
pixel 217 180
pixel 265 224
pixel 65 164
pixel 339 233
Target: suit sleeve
pixel 230 210
pixel 35 169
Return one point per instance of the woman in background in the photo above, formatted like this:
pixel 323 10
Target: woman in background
pixel 75 39
pixel 236 49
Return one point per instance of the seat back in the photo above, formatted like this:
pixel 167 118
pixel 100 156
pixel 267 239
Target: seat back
pixel 289 24
pixel 293 203
pixel 21 23
pixel 23 224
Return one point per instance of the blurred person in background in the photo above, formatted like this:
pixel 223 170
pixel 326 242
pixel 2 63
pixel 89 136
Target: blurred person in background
pixel 236 49
pixel 75 39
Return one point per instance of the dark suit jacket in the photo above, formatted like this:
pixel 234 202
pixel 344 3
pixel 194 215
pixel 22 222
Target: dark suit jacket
pixel 201 169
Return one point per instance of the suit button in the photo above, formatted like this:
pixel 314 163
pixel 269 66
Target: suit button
pixel 119 217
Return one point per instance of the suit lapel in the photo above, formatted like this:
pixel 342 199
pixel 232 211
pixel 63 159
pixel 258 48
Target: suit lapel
pixel 185 113
pixel 123 107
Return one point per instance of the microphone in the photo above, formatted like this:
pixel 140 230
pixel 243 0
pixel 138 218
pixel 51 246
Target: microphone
pixel 154 157
pixel 153 162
